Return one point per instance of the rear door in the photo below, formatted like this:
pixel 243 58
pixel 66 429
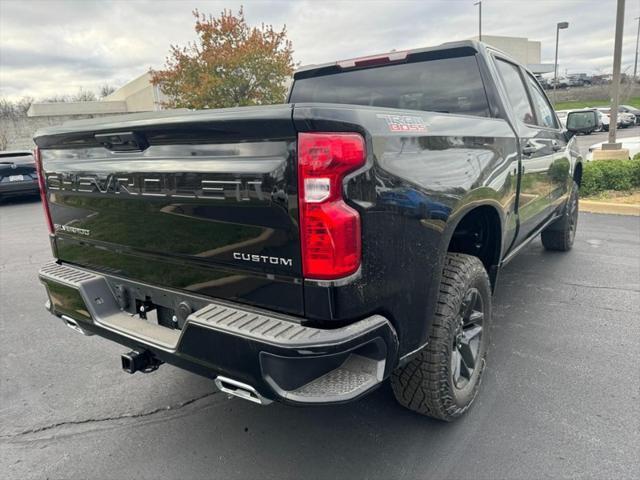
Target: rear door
pixel 559 171
pixel 536 148
pixel 199 201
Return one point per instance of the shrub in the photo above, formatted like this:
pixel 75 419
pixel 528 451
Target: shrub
pixel 619 175
pixel 636 170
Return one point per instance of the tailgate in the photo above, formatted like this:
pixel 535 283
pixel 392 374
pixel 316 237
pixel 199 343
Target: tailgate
pixel 198 201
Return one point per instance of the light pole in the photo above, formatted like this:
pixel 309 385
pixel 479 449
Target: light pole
pixel 479 19
pixel 559 26
pixel 635 64
pixel 615 84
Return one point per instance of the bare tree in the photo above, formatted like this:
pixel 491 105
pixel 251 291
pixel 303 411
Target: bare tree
pixel 81 96
pixel 11 111
pixel 57 98
pixel 15 108
pixel 84 96
pixel 106 90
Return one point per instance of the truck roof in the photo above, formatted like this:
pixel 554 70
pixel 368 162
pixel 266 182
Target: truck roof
pixel 472 45
pixel 462 46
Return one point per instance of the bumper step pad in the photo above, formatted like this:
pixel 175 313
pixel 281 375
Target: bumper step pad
pixel 357 374
pixel 276 330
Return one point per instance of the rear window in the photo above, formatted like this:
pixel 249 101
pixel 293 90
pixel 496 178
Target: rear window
pixel 448 85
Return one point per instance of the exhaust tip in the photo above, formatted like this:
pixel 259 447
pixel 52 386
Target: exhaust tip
pixel 240 390
pixel 73 325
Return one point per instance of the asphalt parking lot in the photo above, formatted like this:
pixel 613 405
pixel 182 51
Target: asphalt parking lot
pixel 560 398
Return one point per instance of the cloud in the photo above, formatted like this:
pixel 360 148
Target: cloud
pixel 56 47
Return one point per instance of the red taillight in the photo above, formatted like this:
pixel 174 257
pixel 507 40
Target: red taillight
pixel 43 190
pixel 329 228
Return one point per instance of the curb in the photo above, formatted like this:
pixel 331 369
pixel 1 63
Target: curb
pixel 592 206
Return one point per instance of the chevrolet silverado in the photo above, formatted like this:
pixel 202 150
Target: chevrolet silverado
pixel 307 252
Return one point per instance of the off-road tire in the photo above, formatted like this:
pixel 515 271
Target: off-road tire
pixel 426 384
pixel 559 236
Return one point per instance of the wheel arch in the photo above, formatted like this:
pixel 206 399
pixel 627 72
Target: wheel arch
pixel 477 230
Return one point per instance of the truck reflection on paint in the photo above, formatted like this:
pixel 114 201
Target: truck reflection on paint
pixel 414 203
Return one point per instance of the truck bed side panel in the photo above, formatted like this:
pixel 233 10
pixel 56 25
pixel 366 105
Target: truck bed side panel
pixel 425 172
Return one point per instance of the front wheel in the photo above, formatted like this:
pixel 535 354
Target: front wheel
pixel 559 236
pixel 443 379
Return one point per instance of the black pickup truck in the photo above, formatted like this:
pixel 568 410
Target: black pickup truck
pixel 309 251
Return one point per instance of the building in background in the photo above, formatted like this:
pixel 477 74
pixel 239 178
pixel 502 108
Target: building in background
pixel 138 95
pixel 525 51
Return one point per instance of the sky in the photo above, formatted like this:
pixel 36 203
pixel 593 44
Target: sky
pixel 51 47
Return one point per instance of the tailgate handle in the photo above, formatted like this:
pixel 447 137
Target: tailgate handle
pixel 122 141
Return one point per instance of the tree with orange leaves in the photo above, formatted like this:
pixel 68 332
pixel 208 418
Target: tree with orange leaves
pixel 231 64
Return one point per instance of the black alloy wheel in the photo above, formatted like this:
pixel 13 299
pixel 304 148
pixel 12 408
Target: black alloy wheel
pixel 466 345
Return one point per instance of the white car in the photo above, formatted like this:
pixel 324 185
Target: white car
pixel 627 119
pixel 562 116
pixel 603 122
pixel 606 113
pixel 632 110
pixel 630 143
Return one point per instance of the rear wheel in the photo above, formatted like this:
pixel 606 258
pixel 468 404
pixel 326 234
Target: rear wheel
pixel 443 379
pixel 559 236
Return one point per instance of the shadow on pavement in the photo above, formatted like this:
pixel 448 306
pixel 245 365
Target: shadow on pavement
pixel 372 438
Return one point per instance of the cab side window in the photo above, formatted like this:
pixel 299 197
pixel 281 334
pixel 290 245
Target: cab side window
pixel 544 112
pixel 516 91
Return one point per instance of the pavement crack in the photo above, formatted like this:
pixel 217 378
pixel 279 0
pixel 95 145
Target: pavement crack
pixel 86 421
pixel 573 304
pixel 603 287
pixel 555 280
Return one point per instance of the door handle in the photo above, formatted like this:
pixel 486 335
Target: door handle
pixel 529 149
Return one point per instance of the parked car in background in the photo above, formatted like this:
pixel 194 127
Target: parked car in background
pixel 18 174
pixel 579 79
pixel 606 111
pixel 562 116
pixel 573 81
pixel 632 110
pixel 630 143
pixel 591 123
pixel 561 83
pixel 545 83
pixel 627 119
pixel 603 121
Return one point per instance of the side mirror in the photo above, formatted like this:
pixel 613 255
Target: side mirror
pixel 582 122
